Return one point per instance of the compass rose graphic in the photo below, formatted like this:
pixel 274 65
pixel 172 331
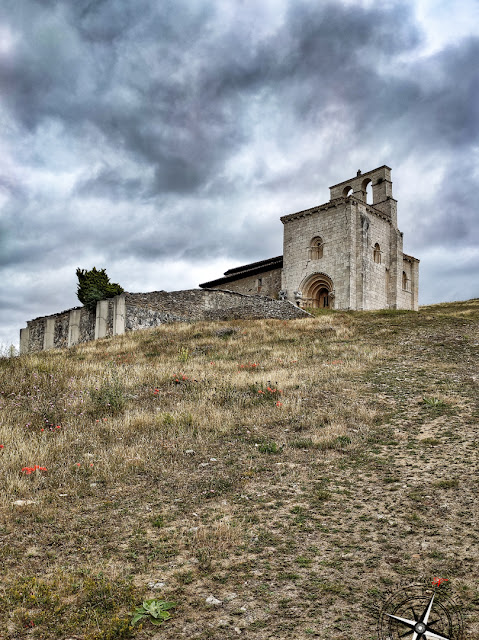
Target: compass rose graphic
pixel 419 612
pixel 421 628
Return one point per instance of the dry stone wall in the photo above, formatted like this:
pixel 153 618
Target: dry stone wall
pixel 158 307
pixel 135 311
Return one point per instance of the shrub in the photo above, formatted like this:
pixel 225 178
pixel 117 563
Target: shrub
pixel 95 285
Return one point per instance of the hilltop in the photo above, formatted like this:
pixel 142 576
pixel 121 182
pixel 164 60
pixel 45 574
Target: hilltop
pixel 294 470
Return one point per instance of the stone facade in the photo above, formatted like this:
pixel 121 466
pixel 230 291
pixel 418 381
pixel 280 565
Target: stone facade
pixel 346 253
pixel 135 311
pixel 259 278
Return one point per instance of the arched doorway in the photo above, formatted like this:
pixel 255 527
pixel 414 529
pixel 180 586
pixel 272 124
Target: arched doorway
pixel 323 298
pixel 317 291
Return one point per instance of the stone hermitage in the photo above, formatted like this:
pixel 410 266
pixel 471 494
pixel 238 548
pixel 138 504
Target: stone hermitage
pixel 344 254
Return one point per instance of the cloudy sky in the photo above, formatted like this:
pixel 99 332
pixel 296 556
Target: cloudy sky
pixel 163 140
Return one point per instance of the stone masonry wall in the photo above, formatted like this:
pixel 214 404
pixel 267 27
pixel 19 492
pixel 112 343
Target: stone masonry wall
pixel 159 307
pixel 270 284
pixel 134 311
pixel 37 332
pixel 60 326
pixel 332 225
pixel 60 335
pixel 372 282
pixel 87 325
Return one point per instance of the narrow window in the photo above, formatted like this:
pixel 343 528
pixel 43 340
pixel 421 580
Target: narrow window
pixel 377 253
pixel 259 284
pixel 404 281
pixel 316 248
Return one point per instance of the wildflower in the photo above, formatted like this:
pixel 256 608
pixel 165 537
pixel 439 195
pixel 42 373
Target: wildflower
pixel 1 446
pixel 279 404
pixel 29 470
pixel 259 391
pixel 436 582
pixel 78 464
pixel 58 426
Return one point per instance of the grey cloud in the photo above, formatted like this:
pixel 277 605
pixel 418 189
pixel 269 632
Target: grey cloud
pixel 452 218
pixel 109 183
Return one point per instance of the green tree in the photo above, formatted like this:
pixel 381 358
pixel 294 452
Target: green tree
pixel 95 285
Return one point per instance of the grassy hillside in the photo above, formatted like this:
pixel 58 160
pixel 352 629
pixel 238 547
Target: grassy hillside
pixel 293 470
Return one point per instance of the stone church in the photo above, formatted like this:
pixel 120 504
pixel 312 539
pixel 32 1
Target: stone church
pixel 344 254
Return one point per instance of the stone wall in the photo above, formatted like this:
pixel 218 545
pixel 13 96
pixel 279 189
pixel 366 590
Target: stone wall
pixel 58 330
pixel 135 311
pixel 332 223
pixel 372 282
pixel 267 284
pixel 158 307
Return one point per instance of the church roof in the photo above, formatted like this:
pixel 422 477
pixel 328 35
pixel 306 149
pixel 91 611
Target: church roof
pixel 245 271
pixel 331 204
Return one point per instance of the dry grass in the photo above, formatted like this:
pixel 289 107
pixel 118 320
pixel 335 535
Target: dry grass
pixel 300 465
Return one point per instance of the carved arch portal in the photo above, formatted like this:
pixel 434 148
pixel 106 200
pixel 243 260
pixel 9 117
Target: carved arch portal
pixel 318 291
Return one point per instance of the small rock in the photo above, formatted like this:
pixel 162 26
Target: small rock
pixel 156 585
pixel 213 460
pixel 213 602
pixel 193 529
pixel 204 464
pixel 231 596
pixel 190 452
pixel 222 623
pixel 238 630
pixel 22 503
pixel 93 484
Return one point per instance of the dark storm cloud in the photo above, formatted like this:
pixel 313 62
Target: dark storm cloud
pixel 454 205
pixel 151 84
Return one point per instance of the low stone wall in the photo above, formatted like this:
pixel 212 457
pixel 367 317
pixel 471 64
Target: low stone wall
pixel 135 311
pixel 58 330
pixel 158 307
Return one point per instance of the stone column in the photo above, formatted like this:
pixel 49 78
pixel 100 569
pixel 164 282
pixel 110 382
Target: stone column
pixel 353 262
pixel 415 285
pixel 101 323
pixel 119 314
pixel 49 336
pixel 74 327
pixel 24 340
